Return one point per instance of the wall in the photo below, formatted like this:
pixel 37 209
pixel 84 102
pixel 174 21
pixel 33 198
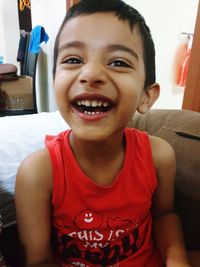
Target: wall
pixel 167 19
pixel 9 31
pixel 49 14
pixel 2 32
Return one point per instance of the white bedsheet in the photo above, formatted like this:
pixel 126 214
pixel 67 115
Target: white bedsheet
pixel 21 135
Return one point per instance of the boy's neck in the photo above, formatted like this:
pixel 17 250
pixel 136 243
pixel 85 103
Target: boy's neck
pixel 100 159
pixel 95 151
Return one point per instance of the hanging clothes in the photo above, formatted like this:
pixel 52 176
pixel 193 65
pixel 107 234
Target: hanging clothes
pixel 22 47
pixel 38 35
pixel 182 72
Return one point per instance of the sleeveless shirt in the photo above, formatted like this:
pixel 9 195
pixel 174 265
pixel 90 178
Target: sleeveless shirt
pixel 98 225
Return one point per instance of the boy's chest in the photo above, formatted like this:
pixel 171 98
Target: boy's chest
pixel 107 234
pixel 103 172
pixel 97 218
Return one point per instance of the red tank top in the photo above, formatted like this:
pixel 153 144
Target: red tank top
pixel 104 225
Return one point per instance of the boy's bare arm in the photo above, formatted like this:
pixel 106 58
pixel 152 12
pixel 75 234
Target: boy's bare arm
pixel 167 227
pixel 33 204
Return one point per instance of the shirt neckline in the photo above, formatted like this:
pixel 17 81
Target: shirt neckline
pixel 87 181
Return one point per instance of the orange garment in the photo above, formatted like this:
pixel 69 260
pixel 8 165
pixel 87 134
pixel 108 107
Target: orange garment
pixel 104 225
pixel 183 69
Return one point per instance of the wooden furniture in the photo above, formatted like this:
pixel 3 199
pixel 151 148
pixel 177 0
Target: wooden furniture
pixel 28 68
pixel 191 99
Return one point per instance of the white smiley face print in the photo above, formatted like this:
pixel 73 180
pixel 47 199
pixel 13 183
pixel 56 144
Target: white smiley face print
pixel 88 219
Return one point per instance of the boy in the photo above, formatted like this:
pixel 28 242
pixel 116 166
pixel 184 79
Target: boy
pixel 100 184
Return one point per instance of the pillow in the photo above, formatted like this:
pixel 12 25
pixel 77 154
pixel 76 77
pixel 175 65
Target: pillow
pixel 20 136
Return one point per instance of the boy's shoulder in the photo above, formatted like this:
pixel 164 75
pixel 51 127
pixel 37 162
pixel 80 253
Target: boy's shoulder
pixel 35 170
pixel 163 153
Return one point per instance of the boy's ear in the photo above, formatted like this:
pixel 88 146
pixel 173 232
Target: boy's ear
pixel 148 97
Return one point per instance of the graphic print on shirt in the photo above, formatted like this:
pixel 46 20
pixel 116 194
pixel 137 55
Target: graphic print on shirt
pixel 97 240
pixel 88 220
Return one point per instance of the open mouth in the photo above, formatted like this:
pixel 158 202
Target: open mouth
pixel 92 107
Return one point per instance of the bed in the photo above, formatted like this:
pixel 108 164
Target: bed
pixel 20 136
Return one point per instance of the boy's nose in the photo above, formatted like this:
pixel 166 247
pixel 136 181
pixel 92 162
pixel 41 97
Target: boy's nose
pixel 92 74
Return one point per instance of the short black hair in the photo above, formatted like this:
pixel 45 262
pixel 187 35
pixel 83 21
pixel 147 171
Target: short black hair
pixel 124 12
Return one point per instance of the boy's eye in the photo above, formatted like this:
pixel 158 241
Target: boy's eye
pixel 119 63
pixel 73 60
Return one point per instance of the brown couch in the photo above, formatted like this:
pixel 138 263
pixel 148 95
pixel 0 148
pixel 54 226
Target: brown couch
pixel 181 128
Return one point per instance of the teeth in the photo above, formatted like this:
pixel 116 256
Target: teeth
pixel 93 103
pixel 105 104
pixel 92 113
pixel 87 103
pixel 99 103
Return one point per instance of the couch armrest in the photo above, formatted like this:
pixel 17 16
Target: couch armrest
pixel 181 128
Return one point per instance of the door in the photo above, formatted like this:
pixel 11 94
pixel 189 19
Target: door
pixel 191 99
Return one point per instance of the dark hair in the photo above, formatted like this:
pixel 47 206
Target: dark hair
pixel 124 12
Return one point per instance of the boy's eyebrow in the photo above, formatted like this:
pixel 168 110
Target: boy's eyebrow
pixel 115 47
pixel 110 48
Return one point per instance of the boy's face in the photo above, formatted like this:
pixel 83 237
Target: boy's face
pixel 100 75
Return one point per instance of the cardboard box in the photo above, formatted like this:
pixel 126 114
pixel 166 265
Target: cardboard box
pixel 20 93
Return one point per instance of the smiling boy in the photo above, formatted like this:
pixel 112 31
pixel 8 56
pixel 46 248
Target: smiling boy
pixel 107 190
